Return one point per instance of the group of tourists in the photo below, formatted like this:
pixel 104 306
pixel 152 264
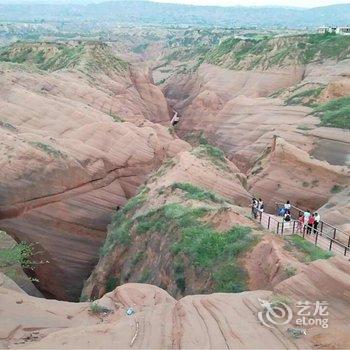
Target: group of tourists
pixel 307 222
pixel 257 207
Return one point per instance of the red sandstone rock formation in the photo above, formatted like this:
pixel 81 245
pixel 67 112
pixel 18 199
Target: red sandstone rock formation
pixel 68 161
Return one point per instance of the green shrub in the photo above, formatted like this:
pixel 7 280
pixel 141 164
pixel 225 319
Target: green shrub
pixel 19 254
pixel 304 127
pixel 196 138
pixel 179 274
pixel 96 309
pixel 111 284
pixel 146 276
pixel 137 258
pixel 336 189
pixel 290 271
pixel 83 299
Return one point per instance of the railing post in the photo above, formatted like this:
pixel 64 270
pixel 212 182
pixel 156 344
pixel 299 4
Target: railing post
pixel 330 244
pixel 268 223
pixel 293 227
pixel 278 227
pixel 321 227
pixel 260 216
pixel 347 248
pixel 335 232
pixel 304 229
pixel 316 237
pixel 282 228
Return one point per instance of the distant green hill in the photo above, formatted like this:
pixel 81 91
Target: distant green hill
pixel 279 51
pixel 130 12
pixel 86 57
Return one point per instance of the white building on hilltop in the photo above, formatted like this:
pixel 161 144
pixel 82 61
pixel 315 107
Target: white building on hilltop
pixel 334 30
pixel 343 30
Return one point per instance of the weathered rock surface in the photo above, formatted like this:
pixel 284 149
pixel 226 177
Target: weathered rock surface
pixel 268 262
pixel 289 172
pixel 224 104
pixel 324 281
pixel 68 161
pixel 337 211
pixel 200 321
pixel 133 255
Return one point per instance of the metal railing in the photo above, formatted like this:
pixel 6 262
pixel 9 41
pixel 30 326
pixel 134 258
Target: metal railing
pixel 325 228
pixel 319 237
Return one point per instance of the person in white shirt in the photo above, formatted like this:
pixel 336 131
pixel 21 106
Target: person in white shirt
pixel 307 215
pixel 287 208
pixel 175 119
pixel 254 208
pixel 261 205
pixel 317 221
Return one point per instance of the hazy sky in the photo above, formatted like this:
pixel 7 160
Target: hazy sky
pixel 295 3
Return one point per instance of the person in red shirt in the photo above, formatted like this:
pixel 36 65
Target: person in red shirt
pixel 310 224
pixel 300 223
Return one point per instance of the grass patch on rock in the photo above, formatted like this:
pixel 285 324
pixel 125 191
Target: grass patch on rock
pixel 205 248
pixel 217 251
pixel 111 284
pixel 306 97
pixel 309 251
pixel 335 113
pixel 197 193
pixel 97 309
pixel 8 126
pixel 20 254
pixel 194 245
pixel 120 229
pixel 48 149
pixel 213 154
pixel 116 118
pixel 268 52
pixel 167 165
